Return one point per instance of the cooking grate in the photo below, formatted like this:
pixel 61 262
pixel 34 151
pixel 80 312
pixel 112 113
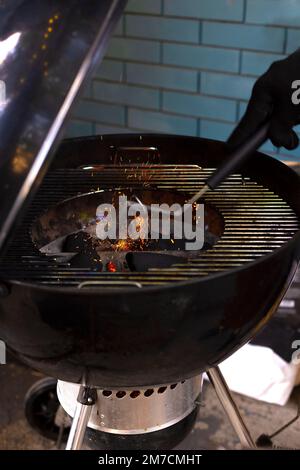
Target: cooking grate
pixel 256 220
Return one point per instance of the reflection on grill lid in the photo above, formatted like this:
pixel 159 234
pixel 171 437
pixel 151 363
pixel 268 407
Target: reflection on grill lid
pixel 48 49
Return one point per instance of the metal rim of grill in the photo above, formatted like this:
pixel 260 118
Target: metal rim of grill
pixel 257 222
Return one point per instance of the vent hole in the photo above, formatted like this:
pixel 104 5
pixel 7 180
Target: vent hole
pixel 161 389
pixel 135 394
pixel 173 386
pixel 148 392
pixel 106 393
pixel 120 394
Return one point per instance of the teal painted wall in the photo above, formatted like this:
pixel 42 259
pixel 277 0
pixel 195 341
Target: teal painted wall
pixel 186 66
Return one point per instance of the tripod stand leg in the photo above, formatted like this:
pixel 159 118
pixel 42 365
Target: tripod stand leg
pixel 223 393
pixel 85 402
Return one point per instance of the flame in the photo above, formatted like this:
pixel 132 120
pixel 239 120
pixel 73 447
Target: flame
pixel 111 267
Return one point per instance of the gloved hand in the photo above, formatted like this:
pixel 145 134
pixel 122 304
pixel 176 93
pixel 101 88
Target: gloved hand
pixel 272 99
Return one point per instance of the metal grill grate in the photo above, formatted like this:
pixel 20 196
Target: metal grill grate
pixel 257 221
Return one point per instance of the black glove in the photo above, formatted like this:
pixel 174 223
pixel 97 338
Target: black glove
pixel 272 99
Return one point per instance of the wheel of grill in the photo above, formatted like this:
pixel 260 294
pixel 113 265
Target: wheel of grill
pixel 41 405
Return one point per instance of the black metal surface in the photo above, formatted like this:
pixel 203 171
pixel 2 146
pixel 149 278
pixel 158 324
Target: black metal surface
pixel 51 47
pixel 162 334
pixel 87 396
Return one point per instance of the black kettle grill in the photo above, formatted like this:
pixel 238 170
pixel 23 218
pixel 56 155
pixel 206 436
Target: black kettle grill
pixel 141 335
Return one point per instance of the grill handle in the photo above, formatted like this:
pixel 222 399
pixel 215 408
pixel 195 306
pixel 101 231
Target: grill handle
pixel 140 154
pixel 239 156
pixel 84 284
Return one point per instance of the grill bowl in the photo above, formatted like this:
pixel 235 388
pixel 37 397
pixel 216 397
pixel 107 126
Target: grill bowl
pixel 129 336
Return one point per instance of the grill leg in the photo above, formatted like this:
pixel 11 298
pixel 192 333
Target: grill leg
pixel 230 407
pixel 85 402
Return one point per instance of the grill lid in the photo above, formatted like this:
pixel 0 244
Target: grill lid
pixel 47 50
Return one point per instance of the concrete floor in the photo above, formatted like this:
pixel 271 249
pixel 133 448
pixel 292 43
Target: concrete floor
pixel 212 430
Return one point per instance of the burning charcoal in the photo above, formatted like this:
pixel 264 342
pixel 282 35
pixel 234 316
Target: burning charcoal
pixel 87 256
pixel 142 261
